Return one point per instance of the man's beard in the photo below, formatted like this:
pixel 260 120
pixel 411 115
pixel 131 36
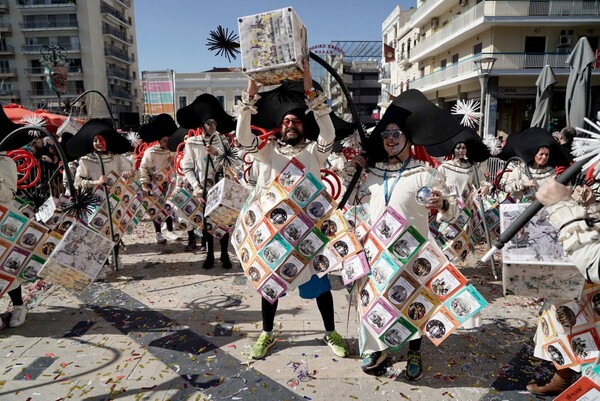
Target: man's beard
pixel 291 141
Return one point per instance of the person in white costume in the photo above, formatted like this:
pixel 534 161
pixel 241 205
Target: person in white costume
pixel 393 180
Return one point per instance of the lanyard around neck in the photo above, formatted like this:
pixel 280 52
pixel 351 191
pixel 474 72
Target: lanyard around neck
pixel 387 194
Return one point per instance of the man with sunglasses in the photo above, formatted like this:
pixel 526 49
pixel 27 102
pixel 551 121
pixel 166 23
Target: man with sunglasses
pixel 292 144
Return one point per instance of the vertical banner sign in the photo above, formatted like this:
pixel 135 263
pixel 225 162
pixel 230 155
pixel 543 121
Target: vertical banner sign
pixel 159 92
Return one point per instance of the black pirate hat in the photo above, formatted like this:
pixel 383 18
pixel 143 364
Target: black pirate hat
pixel 176 138
pixel 81 143
pixel 205 107
pixel 289 98
pixel 508 149
pixel 160 126
pixel 532 139
pixel 6 127
pixel 477 151
pixel 419 119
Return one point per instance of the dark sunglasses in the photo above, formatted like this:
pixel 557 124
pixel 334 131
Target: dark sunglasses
pixel 210 123
pixel 391 134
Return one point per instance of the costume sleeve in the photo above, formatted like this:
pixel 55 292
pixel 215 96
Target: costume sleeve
pixel 8 179
pixel 82 179
pixel 321 112
pixel 514 181
pixel 580 242
pixel 188 165
pixel 438 181
pixel 145 168
pixel 250 142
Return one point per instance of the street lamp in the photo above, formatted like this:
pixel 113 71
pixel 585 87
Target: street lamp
pixel 484 66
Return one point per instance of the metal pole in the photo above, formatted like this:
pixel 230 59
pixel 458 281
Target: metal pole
pixel 483 80
pixel 486 229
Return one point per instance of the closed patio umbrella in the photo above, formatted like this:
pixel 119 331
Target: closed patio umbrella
pixel 543 98
pixel 578 95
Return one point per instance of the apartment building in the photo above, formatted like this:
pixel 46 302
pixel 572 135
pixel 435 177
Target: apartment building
pixel 96 37
pixel 434 47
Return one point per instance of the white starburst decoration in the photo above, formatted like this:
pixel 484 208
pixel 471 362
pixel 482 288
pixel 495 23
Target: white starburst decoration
pixel 33 120
pixel 133 138
pixel 583 148
pixel 470 110
pixel 493 144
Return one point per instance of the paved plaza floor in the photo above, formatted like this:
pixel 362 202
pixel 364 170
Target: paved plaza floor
pixel 162 328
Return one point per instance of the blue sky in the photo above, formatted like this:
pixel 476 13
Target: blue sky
pixel 173 34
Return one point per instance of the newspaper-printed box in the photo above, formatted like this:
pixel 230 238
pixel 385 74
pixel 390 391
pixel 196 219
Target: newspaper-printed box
pixel 224 202
pixel 272 45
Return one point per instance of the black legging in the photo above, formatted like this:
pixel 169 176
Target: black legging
pixel 324 302
pixel 210 249
pixel 168 221
pixel 16 296
pixel 415 345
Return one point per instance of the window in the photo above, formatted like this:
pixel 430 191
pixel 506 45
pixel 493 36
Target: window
pixel 443 63
pixel 4 67
pixel 455 58
pixel 182 101
pixel 221 100
pixel 236 98
pixel 478 48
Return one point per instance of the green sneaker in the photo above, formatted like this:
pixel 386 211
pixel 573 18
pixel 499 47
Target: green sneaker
pixel 262 345
pixel 414 367
pixel 337 344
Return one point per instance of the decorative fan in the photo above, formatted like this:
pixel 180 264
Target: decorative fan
pixel 470 110
pixel 584 147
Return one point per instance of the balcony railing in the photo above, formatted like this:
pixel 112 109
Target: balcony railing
pixel 115 73
pixel 12 93
pixel 107 30
pixel 120 54
pixel 385 72
pixel 37 48
pixel 45 3
pixel 46 92
pixel 5 27
pixel 126 3
pixel 106 9
pixel 49 25
pixel 8 72
pixel 424 9
pixel 7 49
pixel 487 10
pixel 510 63
pixel 120 93
pixel 41 70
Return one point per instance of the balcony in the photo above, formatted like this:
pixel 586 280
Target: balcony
pixel 497 13
pixel 404 60
pixel 424 11
pixel 113 13
pixel 46 92
pixel 384 74
pixel 118 54
pixel 8 73
pixel 116 33
pixel 5 27
pixel 9 94
pixel 3 6
pixel 48 25
pixel 118 74
pixel 7 50
pixel 40 71
pixel 35 49
pixel 46 3
pixel 522 64
pixel 120 93
pixel 126 3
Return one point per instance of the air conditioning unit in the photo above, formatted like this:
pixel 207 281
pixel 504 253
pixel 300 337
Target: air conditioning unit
pixel 435 22
pixel 565 40
pixel 463 2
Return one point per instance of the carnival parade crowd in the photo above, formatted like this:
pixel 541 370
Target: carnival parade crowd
pixel 414 209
